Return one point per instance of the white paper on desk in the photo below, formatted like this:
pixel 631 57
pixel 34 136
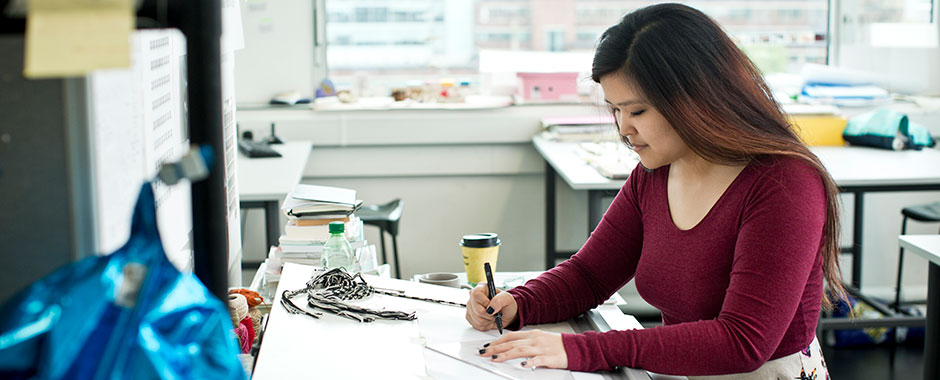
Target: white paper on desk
pixel 468 352
pixel 442 335
pixel 441 327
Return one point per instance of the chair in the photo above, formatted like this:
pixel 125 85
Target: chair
pixel 386 218
pixel 922 213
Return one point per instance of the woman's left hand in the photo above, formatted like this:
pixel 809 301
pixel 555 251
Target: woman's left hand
pixel 538 348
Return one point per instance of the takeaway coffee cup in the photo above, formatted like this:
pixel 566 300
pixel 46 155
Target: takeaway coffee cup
pixel 478 249
pixel 442 279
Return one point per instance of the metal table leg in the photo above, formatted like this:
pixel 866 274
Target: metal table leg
pixel 549 216
pixel 857 232
pixel 594 209
pixel 272 222
pixel 272 219
pixel 931 342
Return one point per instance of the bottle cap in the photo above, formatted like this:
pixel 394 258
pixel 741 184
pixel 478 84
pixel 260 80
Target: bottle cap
pixel 337 227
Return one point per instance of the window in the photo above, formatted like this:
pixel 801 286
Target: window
pixel 858 17
pixel 896 39
pixel 555 40
pixel 371 14
pixel 374 46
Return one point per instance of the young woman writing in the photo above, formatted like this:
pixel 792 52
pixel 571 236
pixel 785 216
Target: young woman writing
pixel 729 226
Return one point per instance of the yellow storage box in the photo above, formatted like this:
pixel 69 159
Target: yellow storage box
pixel 820 130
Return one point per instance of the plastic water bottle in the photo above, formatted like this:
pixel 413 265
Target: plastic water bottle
pixel 336 251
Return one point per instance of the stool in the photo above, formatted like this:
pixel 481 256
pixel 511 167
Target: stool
pixel 922 213
pixel 385 217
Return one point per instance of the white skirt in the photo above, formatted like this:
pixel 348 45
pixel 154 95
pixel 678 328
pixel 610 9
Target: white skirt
pixel 807 364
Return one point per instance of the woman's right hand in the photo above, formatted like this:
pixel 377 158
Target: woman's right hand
pixel 481 310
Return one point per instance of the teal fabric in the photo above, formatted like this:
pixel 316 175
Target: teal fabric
pixel 128 315
pixel 880 128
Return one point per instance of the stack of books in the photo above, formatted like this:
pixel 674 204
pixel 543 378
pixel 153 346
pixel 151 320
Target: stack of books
pixel 310 209
pixel 320 202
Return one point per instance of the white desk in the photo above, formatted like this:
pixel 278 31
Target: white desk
pixel 857 170
pixel 928 247
pixel 562 159
pixel 298 346
pixel 861 170
pixel 853 166
pixel 264 182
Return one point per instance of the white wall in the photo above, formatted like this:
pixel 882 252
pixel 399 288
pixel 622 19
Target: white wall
pixel 880 248
pixel 457 172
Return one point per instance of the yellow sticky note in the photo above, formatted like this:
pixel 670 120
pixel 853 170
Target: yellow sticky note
pixel 71 38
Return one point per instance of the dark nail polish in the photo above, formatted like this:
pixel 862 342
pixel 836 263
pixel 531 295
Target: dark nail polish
pixel 494 356
pixel 489 310
pixel 523 364
pixel 482 350
pixel 486 345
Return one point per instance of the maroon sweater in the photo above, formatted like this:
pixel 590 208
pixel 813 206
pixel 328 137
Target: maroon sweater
pixel 740 288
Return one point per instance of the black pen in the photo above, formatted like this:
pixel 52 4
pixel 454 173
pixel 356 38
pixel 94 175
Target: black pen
pixel 492 288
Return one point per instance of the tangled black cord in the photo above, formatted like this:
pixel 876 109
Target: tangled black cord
pixel 327 292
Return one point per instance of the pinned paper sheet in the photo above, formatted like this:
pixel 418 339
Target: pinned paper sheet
pixel 468 352
pixel 233 37
pixel 73 37
pixel 461 342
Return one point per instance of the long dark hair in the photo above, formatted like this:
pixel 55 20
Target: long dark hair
pixel 714 97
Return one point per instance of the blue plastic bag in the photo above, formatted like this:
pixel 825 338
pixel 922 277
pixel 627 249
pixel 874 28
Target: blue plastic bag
pixel 129 315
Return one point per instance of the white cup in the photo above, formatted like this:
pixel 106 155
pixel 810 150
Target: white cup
pixel 442 279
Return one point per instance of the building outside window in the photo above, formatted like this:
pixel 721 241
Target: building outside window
pixel 374 46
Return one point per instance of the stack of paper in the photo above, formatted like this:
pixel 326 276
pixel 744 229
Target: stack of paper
pixel 364 253
pixel 310 209
pixel 841 86
pixel 580 128
pixel 304 248
pixel 611 159
pixel 317 234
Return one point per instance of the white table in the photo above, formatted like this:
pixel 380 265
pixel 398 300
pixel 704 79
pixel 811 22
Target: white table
pixel 298 346
pixel 860 170
pixel 562 159
pixel 264 182
pixel 566 162
pixel 857 170
pixel 928 247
